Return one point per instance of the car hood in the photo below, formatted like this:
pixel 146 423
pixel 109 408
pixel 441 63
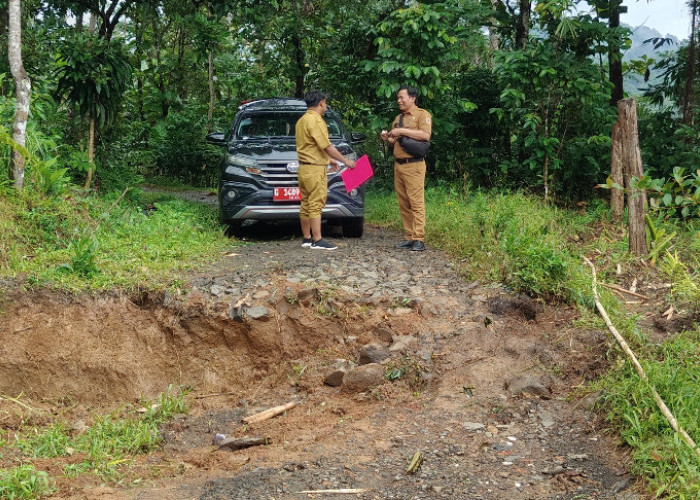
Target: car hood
pixel 268 151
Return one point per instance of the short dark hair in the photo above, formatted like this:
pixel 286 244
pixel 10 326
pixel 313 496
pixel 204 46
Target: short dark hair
pixel 314 98
pixel 411 91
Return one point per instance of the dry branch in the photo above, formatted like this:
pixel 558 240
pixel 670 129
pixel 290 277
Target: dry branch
pixel 272 412
pixel 624 290
pixel 642 374
pixel 240 443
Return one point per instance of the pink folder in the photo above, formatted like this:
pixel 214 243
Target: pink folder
pixel 353 177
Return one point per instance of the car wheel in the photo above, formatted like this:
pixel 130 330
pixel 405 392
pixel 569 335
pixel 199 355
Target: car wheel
pixel 233 229
pixel 353 228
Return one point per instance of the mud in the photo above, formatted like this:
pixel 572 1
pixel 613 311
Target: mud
pixel 486 385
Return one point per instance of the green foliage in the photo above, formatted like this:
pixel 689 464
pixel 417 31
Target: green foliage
pixel 669 465
pixel 93 74
pixel 678 196
pixel 79 243
pixel 24 482
pixel 510 238
pixel 109 445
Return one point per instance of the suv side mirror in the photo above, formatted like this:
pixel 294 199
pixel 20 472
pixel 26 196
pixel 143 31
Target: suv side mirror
pixel 358 137
pixel 217 139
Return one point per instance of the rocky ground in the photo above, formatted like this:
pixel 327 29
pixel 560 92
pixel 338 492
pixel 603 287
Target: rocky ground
pixel 386 354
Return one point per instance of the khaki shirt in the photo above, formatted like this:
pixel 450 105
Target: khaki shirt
pixel 312 139
pixel 418 119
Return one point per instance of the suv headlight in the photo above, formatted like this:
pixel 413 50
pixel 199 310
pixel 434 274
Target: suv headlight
pixel 239 160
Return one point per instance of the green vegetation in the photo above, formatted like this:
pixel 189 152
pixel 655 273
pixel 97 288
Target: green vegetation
pixel 106 448
pixel 77 242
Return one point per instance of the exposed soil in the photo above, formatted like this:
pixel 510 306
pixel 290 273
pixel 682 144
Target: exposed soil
pixel 484 382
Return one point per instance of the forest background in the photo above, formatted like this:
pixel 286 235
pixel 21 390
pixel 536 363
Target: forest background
pixel 523 93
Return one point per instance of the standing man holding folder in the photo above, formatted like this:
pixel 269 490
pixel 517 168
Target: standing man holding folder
pixel 409 171
pixel 315 151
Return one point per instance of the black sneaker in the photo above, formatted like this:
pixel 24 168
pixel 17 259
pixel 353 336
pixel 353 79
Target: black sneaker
pixel 418 246
pixel 306 242
pixel 323 245
pixel 405 244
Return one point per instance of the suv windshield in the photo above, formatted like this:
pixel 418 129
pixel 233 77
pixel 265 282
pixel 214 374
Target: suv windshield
pixel 276 124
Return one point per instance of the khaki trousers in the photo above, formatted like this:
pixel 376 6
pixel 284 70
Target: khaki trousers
pixel 409 183
pixel 313 185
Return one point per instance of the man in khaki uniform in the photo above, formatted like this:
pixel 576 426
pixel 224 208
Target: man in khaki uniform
pixel 315 151
pixel 409 171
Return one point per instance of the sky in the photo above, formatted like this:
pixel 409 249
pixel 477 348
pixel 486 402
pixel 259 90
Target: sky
pixel 665 16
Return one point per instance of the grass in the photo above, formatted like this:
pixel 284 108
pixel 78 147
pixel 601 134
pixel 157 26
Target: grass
pixel 506 237
pixel 85 243
pixel 108 447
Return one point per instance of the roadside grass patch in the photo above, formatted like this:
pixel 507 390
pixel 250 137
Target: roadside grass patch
pixel 78 243
pixel 108 447
pixel 670 466
pixel 506 237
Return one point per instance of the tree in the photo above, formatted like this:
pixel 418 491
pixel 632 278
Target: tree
pixel 23 89
pixel 93 74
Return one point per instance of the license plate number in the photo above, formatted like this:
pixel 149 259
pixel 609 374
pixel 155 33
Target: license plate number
pixel 286 194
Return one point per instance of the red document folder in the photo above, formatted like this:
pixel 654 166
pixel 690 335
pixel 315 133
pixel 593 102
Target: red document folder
pixel 353 177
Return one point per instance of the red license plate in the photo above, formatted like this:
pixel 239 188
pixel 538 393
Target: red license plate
pixel 286 194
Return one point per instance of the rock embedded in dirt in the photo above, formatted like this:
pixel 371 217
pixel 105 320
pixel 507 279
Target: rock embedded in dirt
pixel 523 305
pixel 309 296
pixel 537 385
pixel 337 372
pixel 260 313
pixel 373 353
pixel 363 378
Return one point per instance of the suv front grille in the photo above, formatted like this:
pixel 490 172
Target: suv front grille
pixel 277 175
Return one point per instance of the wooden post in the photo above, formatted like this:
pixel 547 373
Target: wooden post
pixel 617 196
pixel 632 167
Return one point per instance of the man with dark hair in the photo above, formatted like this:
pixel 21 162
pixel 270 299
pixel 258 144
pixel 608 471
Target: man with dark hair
pixel 315 151
pixel 409 171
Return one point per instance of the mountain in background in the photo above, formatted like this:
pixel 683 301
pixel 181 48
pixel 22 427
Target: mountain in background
pixel 635 84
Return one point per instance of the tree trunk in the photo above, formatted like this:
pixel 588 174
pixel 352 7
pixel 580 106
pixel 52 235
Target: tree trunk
pixel 689 94
pixel 632 164
pixel 299 59
pixel 617 196
pixel 210 113
pixel 23 90
pixel 522 29
pixel 91 152
pixel 614 55
pixel 493 33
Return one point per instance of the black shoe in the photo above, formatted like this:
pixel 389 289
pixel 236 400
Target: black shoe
pixel 306 242
pixel 323 245
pixel 405 244
pixel 418 246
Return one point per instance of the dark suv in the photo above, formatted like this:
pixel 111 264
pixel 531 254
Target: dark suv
pixel 258 177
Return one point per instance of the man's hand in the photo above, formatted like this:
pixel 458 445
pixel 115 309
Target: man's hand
pixel 350 163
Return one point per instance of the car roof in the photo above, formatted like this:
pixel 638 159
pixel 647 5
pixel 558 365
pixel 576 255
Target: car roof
pixel 274 104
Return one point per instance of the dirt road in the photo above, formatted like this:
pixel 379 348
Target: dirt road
pixel 480 382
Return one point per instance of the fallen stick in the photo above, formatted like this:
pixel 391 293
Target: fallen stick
pixel 624 290
pixel 272 412
pixel 642 374
pixel 338 492
pixel 240 443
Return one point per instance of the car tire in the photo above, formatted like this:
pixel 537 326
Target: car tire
pixel 353 227
pixel 233 229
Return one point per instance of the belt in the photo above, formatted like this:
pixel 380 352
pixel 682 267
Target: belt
pixel 312 164
pixel 401 161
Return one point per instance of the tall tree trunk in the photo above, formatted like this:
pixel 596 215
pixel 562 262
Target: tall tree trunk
pixel 522 30
pixel 91 152
pixel 299 59
pixel 210 113
pixel 493 32
pixel 614 54
pixel 617 196
pixel 689 94
pixel 632 164
pixel 23 90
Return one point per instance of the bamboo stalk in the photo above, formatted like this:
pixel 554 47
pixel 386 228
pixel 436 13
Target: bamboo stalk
pixel 272 412
pixel 642 374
